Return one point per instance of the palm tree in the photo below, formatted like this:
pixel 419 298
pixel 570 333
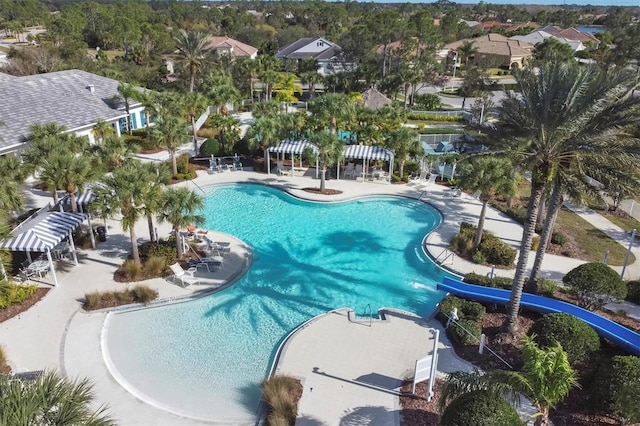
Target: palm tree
pixel 41 131
pixel 192 46
pixel 50 400
pixel 249 69
pixel 12 176
pixel 157 176
pixel 564 114
pixel 311 79
pixel 266 109
pixel 127 93
pixel 546 379
pixel 405 142
pixel 287 88
pixel 330 151
pixel 123 193
pixel 193 105
pixel 170 131
pixel 146 98
pixel 269 79
pixel 114 151
pixel 102 129
pixel 331 110
pixel 491 176
pixel 466 50
pixel 263 133
pixel 180 206
pixel 74 173
pixel 219 89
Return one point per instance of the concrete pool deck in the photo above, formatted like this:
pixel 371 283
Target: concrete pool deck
pixel 56 334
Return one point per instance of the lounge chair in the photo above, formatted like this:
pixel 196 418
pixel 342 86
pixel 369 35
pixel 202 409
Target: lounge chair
pixel 420 180
pixel 282 170
pixel 209 264
pixel 348 172
pixel 357 172
pixel 185 277
pixel 426 185
pixel 237 165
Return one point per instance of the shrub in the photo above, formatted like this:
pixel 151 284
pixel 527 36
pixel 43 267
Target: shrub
pixel 3 358
pixel 480 408
pixel 281 394
pixel 467 309
pixel 459 332
pixel 210 147
pixel 558 238
pixel 155 265
pixel 616 387
pixel 15 293
pixel 595 284
pixel 165 249
pixel 577 338
pixel 462 243
pixel 535 243
pixel 132 269
pixel 479 257
pixel 144 294
pixel 496 282
pixel 496 251
pixel 433 117
pixel 207 132
pixel 428 102
pixel 633 292
pixel 546 287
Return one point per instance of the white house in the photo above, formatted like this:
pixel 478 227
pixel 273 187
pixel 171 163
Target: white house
pixel 539 36
pixel 74 99
pixel 318 48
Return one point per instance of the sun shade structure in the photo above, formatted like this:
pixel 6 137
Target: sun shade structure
pixel 292 148
pixel 82 200
pixel 367 153
pixel 42 232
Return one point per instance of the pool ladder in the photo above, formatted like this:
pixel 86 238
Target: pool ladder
pixel 368 307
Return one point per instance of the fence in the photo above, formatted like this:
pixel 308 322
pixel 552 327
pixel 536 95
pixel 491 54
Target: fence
pixel 434 140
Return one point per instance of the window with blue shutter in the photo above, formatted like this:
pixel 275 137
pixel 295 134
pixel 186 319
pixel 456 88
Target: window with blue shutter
pixel 133 122
pixel 142 119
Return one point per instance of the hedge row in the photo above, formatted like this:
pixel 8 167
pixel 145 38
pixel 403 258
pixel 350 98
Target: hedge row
pixel 434 117
pixel 470 316
pixel 15 293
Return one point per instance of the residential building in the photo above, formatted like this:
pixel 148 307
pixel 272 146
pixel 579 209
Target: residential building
pixel 318 48
pixel 222 45
pixel 495 50
pixel 587 39
pixel 540 36
pixel 74 99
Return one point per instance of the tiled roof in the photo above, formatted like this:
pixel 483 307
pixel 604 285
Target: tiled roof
pixel 373 99
pixel 239 48
pixel 496 44
pixel 62 97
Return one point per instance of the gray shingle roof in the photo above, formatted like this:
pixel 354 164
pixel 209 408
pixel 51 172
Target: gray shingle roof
pixel 62 97
pixel 291 51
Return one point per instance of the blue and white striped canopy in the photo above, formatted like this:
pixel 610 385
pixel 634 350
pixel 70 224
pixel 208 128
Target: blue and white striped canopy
pixel 43 232
pixel 293 147
pixel 85 198
pixel 366 152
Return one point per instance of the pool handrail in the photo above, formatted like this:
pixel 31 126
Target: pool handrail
pixel 620 335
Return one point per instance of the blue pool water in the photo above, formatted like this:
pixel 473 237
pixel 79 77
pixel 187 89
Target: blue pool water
pixel 206 358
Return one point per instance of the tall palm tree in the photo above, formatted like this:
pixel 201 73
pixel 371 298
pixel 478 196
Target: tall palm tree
pixel 330 151
pixel 545 380
pixel 331 111
pixel 179 208
pixel 311 79
pixel 74 173
pixel 192 47
pixel 466 50
pixel 266 109
pixel 287 88
pixel 50 400
pixel 41 131
pixel 563 112
pixel 219 89
pixel 264 133
pixel 269 79
pixel 123 193
pixel 404 142
pixel 157 176
pixel 249 69
pixel 127 92
pixel 12 176
pixel 170 131
pixel 491 176
pixel 193 105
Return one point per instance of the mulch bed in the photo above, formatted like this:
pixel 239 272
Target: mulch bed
pixel 325 192
pixel 416 411
pixel 18 308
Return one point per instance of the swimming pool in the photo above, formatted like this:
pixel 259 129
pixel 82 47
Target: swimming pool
pixel 206 358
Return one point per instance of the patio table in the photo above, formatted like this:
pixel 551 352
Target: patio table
pixel 40 267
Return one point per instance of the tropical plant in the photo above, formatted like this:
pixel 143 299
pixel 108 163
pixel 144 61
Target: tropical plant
pixel 113 151
pixel 595 284
pixel 616 386
pixel 249 69
pixel 266 109
pixel 156 178
pixel 12 176
pixel 405 142
pixel 127 93
pixel 330 151
pixel 564 115
pixel 50 400
pixel 466 50
pixel 491 176
pixel 170 131
pixel 102 129
pixel 179 208
pixel 311 79
pixel 331 111
pixel 263 133
pixel 546 379
pixel 287 89
pixel 279 393
pixel 69 172
pixel 219 89
pixel 123 193
pixel 191 45
pixel 192 106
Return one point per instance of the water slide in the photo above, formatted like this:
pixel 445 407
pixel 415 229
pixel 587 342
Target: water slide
pixel 621 336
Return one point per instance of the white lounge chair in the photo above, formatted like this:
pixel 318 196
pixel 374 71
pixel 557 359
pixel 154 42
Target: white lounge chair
pixel 282 170
pixel 357 172
pixel 426 185
pixel 185 277
pixel 420 180
pixel 348 172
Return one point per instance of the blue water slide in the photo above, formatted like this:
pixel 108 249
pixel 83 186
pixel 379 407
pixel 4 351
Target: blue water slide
pixel 622 336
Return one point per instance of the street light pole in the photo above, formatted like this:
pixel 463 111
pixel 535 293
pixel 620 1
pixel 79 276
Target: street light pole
pixel 626 257
pixel 455 61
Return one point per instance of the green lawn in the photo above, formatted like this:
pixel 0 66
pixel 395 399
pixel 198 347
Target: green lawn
pixel 625 222
pixel 111 54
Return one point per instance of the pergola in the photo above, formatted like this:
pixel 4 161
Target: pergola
pixel 367 153
pixel 293 148
pixel 42 232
